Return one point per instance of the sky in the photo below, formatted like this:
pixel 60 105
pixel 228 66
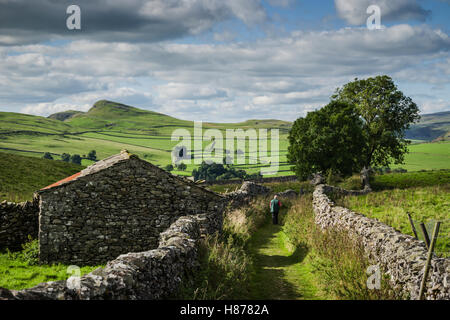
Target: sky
pixel 216 60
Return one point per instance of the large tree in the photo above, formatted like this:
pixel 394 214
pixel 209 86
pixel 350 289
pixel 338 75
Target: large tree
pixel 386 114
pixel 330 138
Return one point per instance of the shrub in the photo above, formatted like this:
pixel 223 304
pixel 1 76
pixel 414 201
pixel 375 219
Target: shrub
pixel 169 167
pixel 75 159
pixel 65 157
pixel 29 253
pixel 48 156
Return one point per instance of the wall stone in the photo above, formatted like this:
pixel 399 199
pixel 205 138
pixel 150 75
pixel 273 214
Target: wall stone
pixel 401 256
pixel 248 191
pixel 153 274
pixel 120 204
pixel 17 222
pixel 261 180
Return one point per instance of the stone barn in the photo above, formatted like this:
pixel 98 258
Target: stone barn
pixel 120 204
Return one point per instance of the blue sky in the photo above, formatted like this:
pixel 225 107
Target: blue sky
pixel 215 60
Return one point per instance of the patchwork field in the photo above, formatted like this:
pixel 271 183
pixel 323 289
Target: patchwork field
pixel 109 127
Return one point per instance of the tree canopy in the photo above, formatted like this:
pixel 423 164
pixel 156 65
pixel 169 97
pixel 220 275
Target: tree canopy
pixel 330 138
pixel 386 114
pixel 364 125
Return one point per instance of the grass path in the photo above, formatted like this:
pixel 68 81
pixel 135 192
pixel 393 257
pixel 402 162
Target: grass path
pixel 280 273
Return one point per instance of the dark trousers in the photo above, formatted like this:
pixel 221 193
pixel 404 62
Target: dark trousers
pixel 275 217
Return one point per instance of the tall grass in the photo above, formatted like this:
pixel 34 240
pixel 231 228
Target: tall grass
pixel 225 266
pixel 339 261
pixel 425 204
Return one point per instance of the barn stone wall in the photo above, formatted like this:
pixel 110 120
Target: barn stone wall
pixel 401 256
pixel 17 222
pixel 120 209
pixel 151 274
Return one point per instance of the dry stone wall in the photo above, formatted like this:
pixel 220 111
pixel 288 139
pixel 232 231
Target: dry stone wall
pixel 248 191
pixel 402 257
pixel 260 180
pixel 17 222
pixel 152 274
pixel 123 208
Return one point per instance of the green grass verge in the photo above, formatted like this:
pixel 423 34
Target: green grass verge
pixel 20 270
pixel 425 204
pixel 410 180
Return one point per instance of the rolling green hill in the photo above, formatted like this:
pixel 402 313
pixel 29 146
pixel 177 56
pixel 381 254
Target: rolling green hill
pixel 109 127
pixel 21 176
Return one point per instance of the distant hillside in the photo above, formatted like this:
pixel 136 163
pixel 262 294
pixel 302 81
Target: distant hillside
pixel 65 115
pixel 109 127
pixel 20 176
pixel 431 127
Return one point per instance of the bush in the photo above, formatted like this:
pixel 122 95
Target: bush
pixel 65 157
pixel 76 159
pixel 48 156
pixel 92 155
pixel 29 253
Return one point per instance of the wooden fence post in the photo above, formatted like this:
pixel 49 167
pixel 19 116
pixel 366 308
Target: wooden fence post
pixel 425 234
pixel 412 225
pixel 430 255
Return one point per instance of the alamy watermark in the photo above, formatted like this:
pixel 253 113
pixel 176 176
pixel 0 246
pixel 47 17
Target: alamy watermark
pixel 374 280
pixel 73 22
pixel 231 149
pixel 74 281
pixel 374 20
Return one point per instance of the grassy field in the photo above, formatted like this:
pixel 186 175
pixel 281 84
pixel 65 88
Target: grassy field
pixel 109 127
pixel 427 156
pixel 21 176
pixel 425 204
pixel 20 270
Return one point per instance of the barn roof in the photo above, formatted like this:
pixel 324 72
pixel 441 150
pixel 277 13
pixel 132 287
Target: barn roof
pixel 109 162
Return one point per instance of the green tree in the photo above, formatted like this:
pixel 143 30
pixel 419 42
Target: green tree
pixel 75 158
pixel 65 157
pixel 48 156
pixel 169 167
pixel 182 166
pixel 386 113
pixel 92 155
pixel 330 138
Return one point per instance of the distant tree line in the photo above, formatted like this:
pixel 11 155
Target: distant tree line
pixel 74 158
pixel 217 171
pixel 180 166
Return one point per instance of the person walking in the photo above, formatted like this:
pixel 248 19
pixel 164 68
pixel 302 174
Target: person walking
pixel 275 206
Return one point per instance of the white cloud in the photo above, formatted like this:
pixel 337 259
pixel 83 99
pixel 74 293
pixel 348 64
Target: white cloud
pixel 355 11
pixel 220 82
